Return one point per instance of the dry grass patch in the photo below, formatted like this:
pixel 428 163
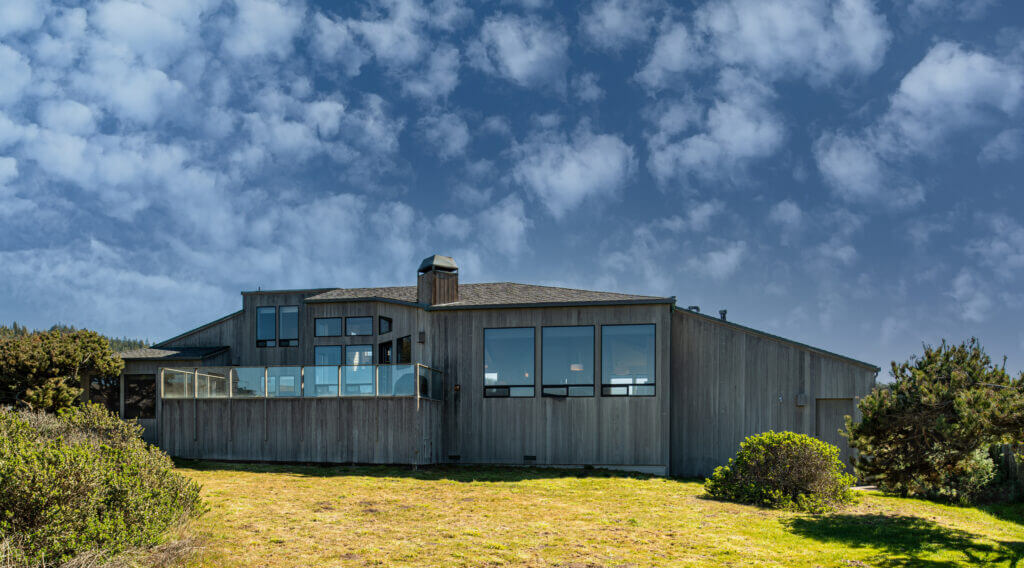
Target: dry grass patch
pixel 284 516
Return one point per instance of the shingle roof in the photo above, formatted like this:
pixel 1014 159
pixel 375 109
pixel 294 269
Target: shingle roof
pixel 172 353
pixel 491 294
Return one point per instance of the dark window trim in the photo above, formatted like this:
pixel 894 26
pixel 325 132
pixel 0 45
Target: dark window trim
pixel 265 342
pixel 391 351
pixel 391 325
pixel 593 386
pixel 398 351
pixel 341 322
pixel 347 334
pixel 605 387
pixel 496 391
pixel 288 341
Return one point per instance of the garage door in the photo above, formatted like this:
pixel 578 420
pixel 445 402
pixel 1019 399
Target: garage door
pixel 831 418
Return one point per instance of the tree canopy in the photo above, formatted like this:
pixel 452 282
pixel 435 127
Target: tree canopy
pixel 45 370
pixel 928 432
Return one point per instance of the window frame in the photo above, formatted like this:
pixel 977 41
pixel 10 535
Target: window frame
pixel 341 327
pixel 605 388
pixel 568 388
pixel 347 334
pixel 380 325
pixel 398 350
pixel 505 391
pixel 266 342
pixel 134 378
pixel 287 341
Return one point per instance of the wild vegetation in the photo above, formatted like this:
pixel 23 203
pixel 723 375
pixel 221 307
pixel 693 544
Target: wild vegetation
pixel 938 430
pixel 82 487
pixel 783 470
pixel 117 344
pixel 284 516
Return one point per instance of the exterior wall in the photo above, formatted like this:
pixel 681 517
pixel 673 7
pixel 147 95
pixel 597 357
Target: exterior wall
pixel 730 382
pixel 152 367
pixel 221 332
pixel 326 430
pixel 618 431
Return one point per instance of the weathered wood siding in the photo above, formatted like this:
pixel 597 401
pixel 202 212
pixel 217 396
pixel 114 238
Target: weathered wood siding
pixel 225 331
pixel 323 430
pixel 618 431
pixel 730 382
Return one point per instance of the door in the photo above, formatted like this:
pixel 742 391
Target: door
pixel 831 416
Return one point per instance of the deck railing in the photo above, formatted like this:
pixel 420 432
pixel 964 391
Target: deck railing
pixel 311 381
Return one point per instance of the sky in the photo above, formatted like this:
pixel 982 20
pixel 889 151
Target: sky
pixel 848 174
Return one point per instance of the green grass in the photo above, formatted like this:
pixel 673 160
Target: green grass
pixel 284 516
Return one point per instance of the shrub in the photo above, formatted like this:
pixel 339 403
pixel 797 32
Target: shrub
pixel 84 483
pixel 783 470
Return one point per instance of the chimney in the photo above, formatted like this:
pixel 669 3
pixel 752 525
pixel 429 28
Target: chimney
pixel 437 281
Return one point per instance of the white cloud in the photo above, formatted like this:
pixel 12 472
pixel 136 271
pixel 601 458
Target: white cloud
pixel 447 134
pixel 336 42
pixel 787 214
pixel 503 227
pixel 67 116
pixel 698 217
pixel 721 263
pixel 563 171
pixel 154 31
pixel 397 39
pixel 524 50
pixel 739 128
pixel 1007 146
pixel 20 16
pixel 966 9
pixel 1002 250
pixel 675 52
pixel 497 125
pixel 453 226
pixel 586 89
pixel 777 38
pixel 264 28
pixel 139 94
pixel 440 77
pixel 615 24
pixel 16 74
pixel 973 301
pixel 857 173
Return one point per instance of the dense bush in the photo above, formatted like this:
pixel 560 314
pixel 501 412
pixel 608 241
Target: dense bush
pixel 783 470
pixel 930 432
pixel 84 482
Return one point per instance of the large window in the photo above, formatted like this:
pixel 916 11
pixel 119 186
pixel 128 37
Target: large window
pixel 359 326
pixel 627 360
pixel 328 327
pixel 106 391
pixel 404 350
pixel 139 396
pixel 508 362
pixel 385 353
pixel 327 355
pixel 288 332
pixel 383 325
pixel 266 326
pixel 567 361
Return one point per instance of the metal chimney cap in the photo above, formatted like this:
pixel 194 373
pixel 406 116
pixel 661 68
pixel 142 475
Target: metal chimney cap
pixel 438 263
pixel 722 313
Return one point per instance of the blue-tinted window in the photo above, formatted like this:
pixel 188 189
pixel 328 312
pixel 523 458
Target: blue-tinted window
pixel 567 360
pixel 627 360
pixel 284 381
pixel 383 325
pixel 327 355
pixel 248 381
pixel 359 326
pixel 357 375
pixel 328 327
pixel 288 331
pixel 508 362
pixel 266 326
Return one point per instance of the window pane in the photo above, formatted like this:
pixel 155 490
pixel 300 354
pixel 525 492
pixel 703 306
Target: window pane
pixel 106 391
pixel 359 355
pixel 283 381
pixel 321 381
pixel 627 356
pixel 508 357
pixel 265 322
pixel 140 396
pixel 359 326
pixel 212 383
pixel 405 349
pixel 327 355
pixel 248 382
pixel 289 322
pixel 178 384
pixel 328 327
pixel 384 353
pixel 384 324
pixel 567 355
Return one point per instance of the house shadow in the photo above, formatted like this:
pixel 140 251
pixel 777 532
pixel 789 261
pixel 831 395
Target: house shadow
pixel 459 473
pixel 908 541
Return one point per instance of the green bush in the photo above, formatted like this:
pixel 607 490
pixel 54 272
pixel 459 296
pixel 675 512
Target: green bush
pixel 783 470
pixel 84 482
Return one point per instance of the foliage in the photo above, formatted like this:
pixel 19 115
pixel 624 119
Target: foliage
pixel 929 432
pixel 117 344
pixel 45 370
pixel 783 470
pixel 84 483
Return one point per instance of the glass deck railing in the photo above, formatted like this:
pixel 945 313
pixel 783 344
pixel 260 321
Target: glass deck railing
pixel 312 381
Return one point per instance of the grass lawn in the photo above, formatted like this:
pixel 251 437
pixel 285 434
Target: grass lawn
pixel 283 516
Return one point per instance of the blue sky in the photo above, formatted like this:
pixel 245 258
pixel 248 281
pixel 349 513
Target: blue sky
pixel 847 174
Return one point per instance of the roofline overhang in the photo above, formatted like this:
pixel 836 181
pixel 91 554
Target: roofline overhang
pixel 218 351
pixel 442 307
pixel 774 337
pixel 198 329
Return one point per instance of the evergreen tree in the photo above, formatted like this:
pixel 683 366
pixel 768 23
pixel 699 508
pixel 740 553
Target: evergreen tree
pixel 928 433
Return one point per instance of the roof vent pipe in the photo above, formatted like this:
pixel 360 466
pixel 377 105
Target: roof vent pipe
pixel 694 308
pixel 721 314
